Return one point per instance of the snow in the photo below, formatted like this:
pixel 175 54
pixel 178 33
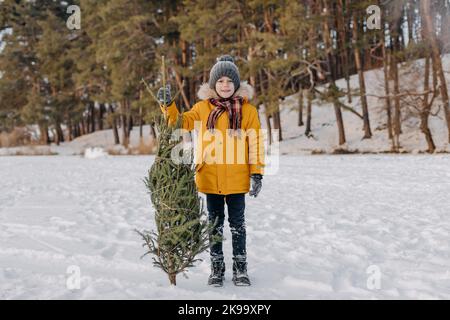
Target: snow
pixel 319 228
pixel 94 153
pixel 99 139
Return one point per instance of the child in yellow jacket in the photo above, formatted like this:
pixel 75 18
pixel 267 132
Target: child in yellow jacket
pixel 229 153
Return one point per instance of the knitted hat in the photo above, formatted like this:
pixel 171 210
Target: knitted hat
pixel 224 67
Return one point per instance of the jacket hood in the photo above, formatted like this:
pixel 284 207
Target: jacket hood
pixel 245 90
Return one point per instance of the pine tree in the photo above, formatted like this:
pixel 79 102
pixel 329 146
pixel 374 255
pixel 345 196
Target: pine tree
pixel 182 231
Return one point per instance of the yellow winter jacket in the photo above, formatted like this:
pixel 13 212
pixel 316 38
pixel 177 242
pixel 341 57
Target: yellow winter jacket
pixel 223 163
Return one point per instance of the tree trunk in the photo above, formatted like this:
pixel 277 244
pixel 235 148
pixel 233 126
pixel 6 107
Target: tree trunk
pixel 44 137
pixel 101 112
pixel 123 109
pixel 71 131
pixel 152 130
pixel 308 114
pixel 251 52
pixel 445 27
pixel 362 82
pixel 274 102
pixel 274 107
pixel 269 126
pixel 341 26
pixel 205 73
pixel 277 122
pixel 59 133
pixel 426 108
pixel 267 110
pixel 300 107
pixel 386 64
pixel 92 117
pixel 130 120
pixel 181 88
pixel 141 123
pixel 114 125
pixel 332 89
pixel 83 127
pixel 431 35
pixel 173 279
pixel 397 114
pixel 76 130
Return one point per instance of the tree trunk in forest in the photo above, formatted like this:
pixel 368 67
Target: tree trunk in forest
pixel 70 132
pixel 386 62
pixel 308 113
pixel 362 82
pixel 332 88
pixel 267 110
pixel 397 114
pixel 269 126
pixel 92 117
pixel 100 114
pixel 59 133
pixel 124 117
pixel 426 108
pixel 300 107
pixel 152 130
pixel 83 127
pixel 386 65
pixel 44 138
pixel 342 30
pixel 114 125
pixel 274 101
pixel 141 123
pixel 431 35
pixel 277 121
pixel 130 122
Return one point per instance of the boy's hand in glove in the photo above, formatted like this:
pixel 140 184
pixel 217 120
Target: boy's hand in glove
pixel 256 182
pixel 160 95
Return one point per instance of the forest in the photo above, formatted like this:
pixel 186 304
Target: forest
pixel 72 82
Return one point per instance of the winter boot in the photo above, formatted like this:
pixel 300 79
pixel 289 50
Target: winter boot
pixel 240 277
pixel 217 272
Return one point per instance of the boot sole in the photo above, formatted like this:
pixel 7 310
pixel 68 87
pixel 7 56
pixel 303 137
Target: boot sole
pixel 217 284
pixel 241 284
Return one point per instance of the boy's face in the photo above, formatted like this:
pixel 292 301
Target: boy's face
pixel 225 87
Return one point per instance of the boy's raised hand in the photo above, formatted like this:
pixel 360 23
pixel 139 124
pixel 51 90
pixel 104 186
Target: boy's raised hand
pixel 160 95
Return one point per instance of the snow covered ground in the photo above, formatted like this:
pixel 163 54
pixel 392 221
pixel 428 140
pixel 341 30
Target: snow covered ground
pixel 326 227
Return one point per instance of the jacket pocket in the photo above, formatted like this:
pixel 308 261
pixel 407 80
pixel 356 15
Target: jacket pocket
pixel 198 166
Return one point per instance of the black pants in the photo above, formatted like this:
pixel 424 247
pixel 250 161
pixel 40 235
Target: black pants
pixel 236 219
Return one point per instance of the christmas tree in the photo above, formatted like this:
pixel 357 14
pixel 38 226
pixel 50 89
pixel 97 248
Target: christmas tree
pixel 182 232
pixel 182 228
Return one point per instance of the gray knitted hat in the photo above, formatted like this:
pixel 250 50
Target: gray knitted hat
pixel 224 67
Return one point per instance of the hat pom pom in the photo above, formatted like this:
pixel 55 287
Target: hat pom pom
pixel 225 57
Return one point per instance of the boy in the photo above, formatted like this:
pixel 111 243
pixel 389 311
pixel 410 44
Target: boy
pixel 224 111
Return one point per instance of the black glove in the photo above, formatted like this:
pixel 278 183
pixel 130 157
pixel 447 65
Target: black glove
pixel 256 180
pixel 160 95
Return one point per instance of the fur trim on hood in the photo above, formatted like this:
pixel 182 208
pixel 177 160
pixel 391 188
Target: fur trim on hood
pixel 245 90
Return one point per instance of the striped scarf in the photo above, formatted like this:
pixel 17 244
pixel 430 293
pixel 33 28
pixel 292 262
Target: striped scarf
pixel 234 108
